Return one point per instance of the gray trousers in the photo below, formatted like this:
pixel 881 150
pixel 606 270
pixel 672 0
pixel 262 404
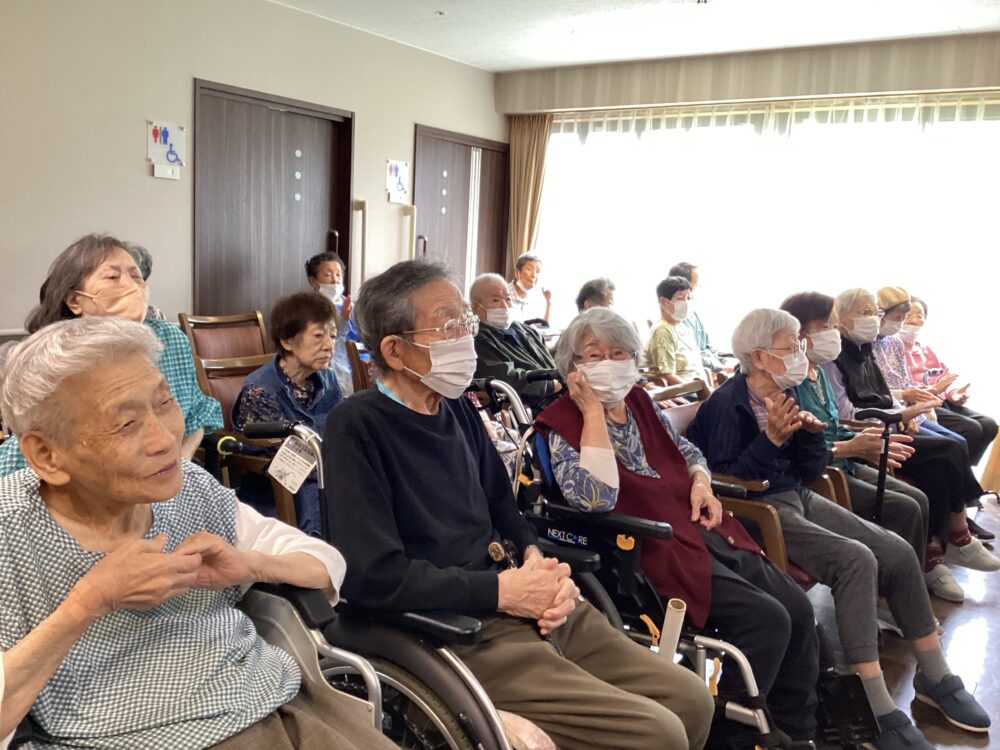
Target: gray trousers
pixel 858 561
pixel 904 510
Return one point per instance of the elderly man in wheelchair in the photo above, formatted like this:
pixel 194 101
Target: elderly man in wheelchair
pixel 121 565
pixel 422 508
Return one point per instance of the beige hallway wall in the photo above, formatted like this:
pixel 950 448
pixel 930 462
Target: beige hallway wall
pixel 79 78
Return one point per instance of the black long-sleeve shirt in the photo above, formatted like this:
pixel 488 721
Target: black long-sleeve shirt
pixel 414 500
pixel 510 355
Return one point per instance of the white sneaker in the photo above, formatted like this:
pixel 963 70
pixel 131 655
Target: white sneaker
pixel 973 556
pixel 943 585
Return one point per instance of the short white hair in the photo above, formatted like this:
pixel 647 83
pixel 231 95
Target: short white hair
pixel 757 331
pixel 37 368
pixel 476 290
pixel 845 301
pixel 606 324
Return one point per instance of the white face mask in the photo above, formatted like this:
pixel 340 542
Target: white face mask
pixel 796 369
pixel 865 330
pixel 825 346
pixel 500 317
pixel 333 292
pixel 681 309
pixel 889 327
pixel 909 332
pixel 610 379
pixel 453 363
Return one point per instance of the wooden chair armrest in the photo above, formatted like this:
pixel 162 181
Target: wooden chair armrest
pixel 841 489
pixel 856 426
pixel 767 521
pixel 822 485
pixel 751 485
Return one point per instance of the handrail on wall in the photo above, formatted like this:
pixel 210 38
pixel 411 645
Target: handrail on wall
pixel 411 211
pixel 361 205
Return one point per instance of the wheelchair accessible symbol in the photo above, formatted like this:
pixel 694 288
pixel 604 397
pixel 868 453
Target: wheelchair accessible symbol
pixel 172 156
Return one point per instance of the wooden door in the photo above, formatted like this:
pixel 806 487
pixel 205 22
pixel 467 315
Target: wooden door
pixel 272 188
pixel 460 191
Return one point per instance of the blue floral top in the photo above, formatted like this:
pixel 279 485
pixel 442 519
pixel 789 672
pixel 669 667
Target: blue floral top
pixel 584 491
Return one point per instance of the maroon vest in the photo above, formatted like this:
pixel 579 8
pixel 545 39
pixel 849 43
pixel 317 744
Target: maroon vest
pixel 678 567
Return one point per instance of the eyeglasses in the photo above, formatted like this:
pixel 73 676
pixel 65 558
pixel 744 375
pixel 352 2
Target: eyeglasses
pixel 456 328
pixel 801 345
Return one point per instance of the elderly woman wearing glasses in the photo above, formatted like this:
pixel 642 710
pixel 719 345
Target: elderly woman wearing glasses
pixel 420 495
pixel 612 449
pixel 751 426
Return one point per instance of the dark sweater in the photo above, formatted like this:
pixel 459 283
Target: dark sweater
pixel 726 431
pixel 508 358
pixel 863 380
pixel 413 502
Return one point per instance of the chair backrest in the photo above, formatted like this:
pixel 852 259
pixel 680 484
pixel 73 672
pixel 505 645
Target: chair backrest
pixel 224 379
pixel 681 417
pixel 360 372
pixel 225 336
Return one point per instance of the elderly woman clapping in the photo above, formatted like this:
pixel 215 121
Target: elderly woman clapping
pixel 121 563
pixel 97 277
pixel 612 449
pixel 752 427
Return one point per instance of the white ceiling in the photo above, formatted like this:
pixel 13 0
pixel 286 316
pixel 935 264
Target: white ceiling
pixel 500 35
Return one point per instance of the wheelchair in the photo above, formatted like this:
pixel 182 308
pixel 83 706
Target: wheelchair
pixel 291 618
pixel 620 589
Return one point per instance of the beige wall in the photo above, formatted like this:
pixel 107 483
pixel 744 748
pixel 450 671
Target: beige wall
pixel 931 64
pixel 79 78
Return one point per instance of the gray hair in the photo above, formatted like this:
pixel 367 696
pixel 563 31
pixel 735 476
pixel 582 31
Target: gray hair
pixel 142 258
pixel 757 331
pixel 845 301
pixel 385 302
pixel 606 324
pixel 38 366
pixel 475 291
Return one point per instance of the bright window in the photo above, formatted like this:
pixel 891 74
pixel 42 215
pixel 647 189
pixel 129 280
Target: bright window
pixel 779 198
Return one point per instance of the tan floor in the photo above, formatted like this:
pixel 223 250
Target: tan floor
pixel 972 647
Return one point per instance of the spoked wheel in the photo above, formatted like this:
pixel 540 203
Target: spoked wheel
pixel 412 716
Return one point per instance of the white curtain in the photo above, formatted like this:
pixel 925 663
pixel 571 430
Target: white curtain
pixel 774 198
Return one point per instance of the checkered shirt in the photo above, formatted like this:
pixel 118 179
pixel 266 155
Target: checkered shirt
pixel 187 674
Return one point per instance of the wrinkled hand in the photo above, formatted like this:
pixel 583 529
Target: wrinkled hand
pixel 915 395
pixel 532 590
pixel 912 411
pixel 563 604
pixel 705 507
pixel 960 396
pixel 583 395
pixel 942 383
pixel 810 423
pixel 868 447
pixel 783 419
pixel 137 575
pixel 222 565
pixel 345 311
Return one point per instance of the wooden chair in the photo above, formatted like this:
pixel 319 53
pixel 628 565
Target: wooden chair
pixel 696 388
pixel 226 349
pixel 360 370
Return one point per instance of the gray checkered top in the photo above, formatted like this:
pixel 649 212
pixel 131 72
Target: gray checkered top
pixel 187 674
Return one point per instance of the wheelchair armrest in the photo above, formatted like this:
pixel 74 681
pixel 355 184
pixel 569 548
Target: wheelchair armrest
pixel 448 627
pixel 750 485
pixel 580 560
pixel 312 605
pixel 728 489
pixel 613 521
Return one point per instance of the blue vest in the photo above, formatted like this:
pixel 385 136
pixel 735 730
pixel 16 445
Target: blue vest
pixel 271 378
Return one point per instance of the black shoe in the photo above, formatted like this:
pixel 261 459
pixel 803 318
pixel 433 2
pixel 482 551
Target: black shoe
pixel 980 533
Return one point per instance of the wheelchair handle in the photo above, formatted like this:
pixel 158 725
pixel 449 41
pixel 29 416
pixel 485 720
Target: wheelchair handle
pixel 885 417
pixel 536 376
pixel 264 430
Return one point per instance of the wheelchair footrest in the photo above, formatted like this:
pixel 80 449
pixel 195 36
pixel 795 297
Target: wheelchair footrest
pixel 844 717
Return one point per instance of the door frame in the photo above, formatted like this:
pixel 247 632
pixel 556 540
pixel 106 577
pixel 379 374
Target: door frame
pixel 282 104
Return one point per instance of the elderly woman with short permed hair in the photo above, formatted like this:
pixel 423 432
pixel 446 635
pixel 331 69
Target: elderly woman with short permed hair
pixel 752 427
pixel 613 450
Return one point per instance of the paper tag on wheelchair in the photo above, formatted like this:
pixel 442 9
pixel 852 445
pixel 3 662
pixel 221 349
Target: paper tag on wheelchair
pixel 292 464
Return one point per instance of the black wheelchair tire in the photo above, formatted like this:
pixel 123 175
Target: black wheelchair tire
pixel 404 693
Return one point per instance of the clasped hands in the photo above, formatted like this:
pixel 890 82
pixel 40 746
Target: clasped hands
pixel 541 590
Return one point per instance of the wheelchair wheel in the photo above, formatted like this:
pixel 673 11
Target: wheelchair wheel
pixel 412 716
pixel 592 590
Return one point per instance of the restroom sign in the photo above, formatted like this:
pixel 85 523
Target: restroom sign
pixel 166 143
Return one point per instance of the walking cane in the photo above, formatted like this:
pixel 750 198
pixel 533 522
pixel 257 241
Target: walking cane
pixel 887 418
